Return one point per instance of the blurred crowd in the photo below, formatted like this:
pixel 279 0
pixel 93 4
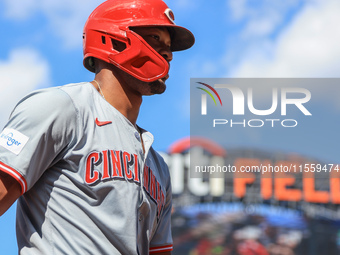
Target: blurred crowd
pixel 244 234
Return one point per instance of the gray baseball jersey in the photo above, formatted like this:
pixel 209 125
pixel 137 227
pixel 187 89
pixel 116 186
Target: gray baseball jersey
pixel 87 186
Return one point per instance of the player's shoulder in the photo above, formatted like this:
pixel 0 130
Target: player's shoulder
pixel 82 95
pixel 74 90
pixel 53 94
pixel 47 100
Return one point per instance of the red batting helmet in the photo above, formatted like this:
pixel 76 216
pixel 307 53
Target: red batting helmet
pixel 108 36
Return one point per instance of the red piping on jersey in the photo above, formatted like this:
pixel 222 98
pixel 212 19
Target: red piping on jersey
pixel 154 250
pixel 16 175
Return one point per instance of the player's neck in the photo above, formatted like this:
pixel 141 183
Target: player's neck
pixel 127 102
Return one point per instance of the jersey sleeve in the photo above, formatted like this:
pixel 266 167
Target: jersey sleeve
pixel 40 127
pixel 162 239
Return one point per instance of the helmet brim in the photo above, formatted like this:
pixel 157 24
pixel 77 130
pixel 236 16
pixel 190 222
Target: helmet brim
pixel 181 38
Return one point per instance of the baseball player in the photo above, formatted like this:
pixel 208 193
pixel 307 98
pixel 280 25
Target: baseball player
pixel 85 175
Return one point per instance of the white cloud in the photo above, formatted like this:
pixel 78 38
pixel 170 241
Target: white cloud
pixel 20 9
pixel 238 9
pixel 308 47
pixel 23 71
pixel 254 27
pixel 65 18
pixel 260 18
pixel 262 26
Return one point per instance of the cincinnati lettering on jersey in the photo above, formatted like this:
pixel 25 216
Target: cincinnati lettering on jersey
pixel 122 165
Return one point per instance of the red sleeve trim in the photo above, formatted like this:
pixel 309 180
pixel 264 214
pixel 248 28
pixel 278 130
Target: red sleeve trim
pixel 16 175
pixel 158 249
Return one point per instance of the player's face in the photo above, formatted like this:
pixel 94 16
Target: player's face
pixel 159 39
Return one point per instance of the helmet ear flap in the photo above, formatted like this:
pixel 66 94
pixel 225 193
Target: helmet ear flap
pixel 139 59
pixel 100 45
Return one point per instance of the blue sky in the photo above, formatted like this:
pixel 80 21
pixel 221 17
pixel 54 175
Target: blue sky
pixel 41 47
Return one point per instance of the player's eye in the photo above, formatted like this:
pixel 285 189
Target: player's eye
pixel 156 37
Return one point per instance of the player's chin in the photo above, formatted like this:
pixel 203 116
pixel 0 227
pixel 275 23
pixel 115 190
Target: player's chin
pixel 157 87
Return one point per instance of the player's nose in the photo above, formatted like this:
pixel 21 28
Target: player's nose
pixel 166 53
